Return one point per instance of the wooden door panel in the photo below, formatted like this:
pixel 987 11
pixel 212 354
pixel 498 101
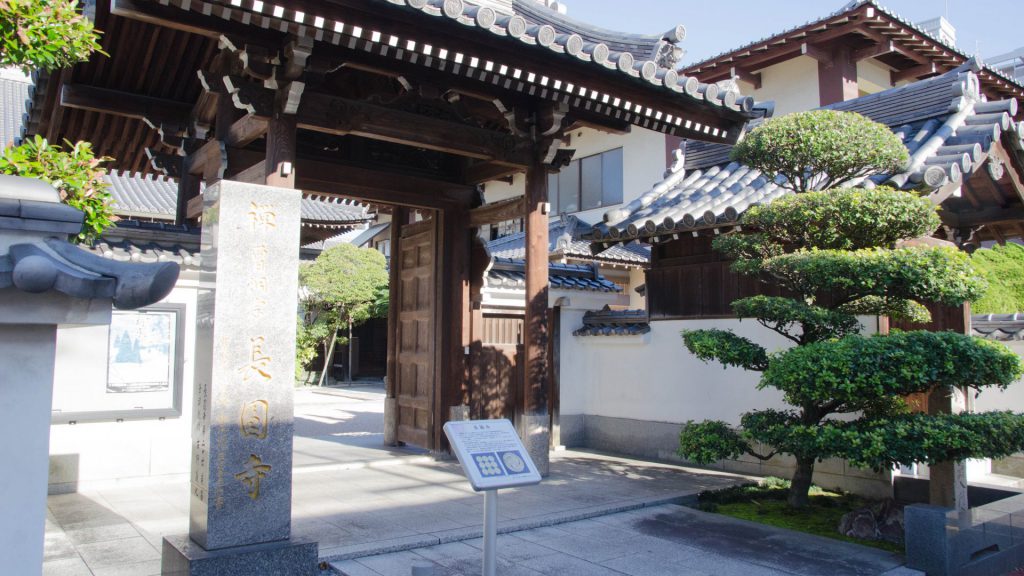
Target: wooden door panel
pixel 416 347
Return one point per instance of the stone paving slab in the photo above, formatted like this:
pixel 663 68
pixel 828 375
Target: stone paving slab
pixel 667 540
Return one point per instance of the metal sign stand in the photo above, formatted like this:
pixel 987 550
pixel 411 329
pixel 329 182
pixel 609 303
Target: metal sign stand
pixel 490 532
pixel 493 457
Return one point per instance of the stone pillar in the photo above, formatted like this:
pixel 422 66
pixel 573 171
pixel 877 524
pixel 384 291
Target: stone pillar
pixel 46 282
pixel 26 382
pixel 535 420
pixel 241 479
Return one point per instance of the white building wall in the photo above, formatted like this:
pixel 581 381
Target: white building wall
pixel 99 451
pixel 643 159
pixel 873 76
pixel 631 394
pixel 792 84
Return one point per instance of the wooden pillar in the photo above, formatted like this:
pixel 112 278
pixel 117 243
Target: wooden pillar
pixel 281 142
pixel 947 481
pixel 398 217
pixel 536 387
pixel 188 188
pixel 837 79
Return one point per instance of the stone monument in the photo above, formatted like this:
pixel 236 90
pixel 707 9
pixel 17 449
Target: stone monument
pixel 241 478
pixel 46 282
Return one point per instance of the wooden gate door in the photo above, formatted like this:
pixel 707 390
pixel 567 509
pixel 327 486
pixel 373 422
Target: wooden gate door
pixel 416 353
pixel 498 369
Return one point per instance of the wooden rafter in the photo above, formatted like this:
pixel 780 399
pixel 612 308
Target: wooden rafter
pixel 914 72
pixel 497 212
pixel 154 111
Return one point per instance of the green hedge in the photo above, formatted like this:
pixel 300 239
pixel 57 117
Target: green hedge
pixel 1003 267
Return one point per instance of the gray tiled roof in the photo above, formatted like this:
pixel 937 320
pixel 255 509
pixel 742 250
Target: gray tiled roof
pixel 541 33
pixel 1004 327
pixel 155 197
pixel 511 274
pixel 609 322
pixel 564 236
pixel 14 99
pixel 946 128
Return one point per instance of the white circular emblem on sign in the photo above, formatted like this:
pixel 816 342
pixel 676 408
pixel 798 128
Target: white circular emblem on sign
pixel 513 462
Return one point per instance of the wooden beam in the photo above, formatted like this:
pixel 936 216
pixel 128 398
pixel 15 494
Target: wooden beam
pixel 882 48
pixel 281 149
pixel 381 187
pixel 822 56
pixel 210 161
pixel 177 19
pixel 914 72
pixel 753 78
pixel 480 172
pixel 986 217
pixel 497 212
pixel 154 111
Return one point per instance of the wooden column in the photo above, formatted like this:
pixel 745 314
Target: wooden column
pixel 280 163
pixel 534 422
pixel 188 188
pixel 398 217
pixel 837 78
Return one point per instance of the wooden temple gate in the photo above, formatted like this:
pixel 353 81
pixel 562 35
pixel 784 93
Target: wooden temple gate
pixel 407 105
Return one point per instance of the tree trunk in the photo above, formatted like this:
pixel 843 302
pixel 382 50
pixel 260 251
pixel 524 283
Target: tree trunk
pixel 328 355
pixel 801 483
pixel 349 368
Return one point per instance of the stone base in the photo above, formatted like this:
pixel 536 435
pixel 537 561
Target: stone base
pixel 537 441
pixel 183 557
pixel 390 421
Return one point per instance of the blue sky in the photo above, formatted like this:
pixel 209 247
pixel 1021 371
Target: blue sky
pixel 992 27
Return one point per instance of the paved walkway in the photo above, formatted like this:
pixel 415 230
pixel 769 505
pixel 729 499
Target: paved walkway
pixel 362 502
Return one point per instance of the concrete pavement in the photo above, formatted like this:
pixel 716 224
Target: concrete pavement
pixel 371 507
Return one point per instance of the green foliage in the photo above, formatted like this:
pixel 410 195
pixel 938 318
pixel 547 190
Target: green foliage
pixel 709 441
pixel 725 347
pixel 45 34
pixel 1003 267
pixel 884 442
pixel 855 368
pixel 309 336
pixel 844 219
pixel 783 315
pixel 348 280
pixel 821 149
pixel 834 255
pixel 76 174
pixel 925 274
pixel 345 286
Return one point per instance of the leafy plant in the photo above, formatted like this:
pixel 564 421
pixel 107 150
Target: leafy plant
pixel 46 34
pixel 76 173
pixel 835 254
pixel 346 285
pixel 1003 267
pixel 821 149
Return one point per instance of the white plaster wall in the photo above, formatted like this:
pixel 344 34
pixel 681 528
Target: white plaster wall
pixel 873 76
pixel 636 278
pixel 792 84
pixel 643 158
pixel 94 451
pixel 1010 399
pixel 654 378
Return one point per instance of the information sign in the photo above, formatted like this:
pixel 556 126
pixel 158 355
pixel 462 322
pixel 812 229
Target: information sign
pixel 491 454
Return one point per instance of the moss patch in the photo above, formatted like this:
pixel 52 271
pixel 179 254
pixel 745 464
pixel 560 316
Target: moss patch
pixel 765 503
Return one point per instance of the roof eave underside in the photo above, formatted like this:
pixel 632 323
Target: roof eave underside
pixel 533 64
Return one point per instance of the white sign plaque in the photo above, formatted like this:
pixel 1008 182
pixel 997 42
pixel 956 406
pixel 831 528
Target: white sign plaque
pixel 491 454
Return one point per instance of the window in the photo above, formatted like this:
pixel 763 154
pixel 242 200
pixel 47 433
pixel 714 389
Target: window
pixel 587 183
